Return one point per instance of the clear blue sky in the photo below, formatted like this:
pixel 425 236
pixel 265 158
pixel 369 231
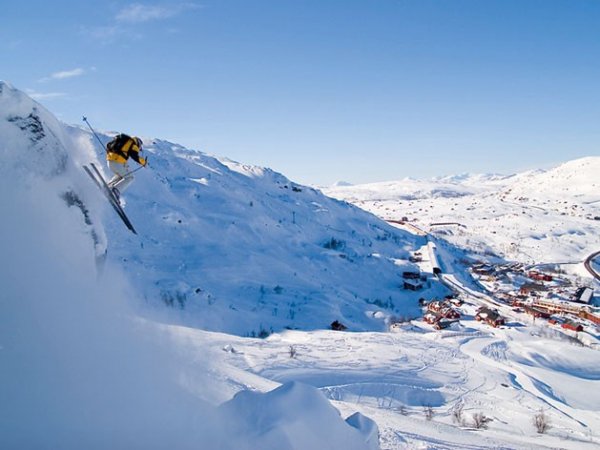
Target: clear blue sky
pixel 323 90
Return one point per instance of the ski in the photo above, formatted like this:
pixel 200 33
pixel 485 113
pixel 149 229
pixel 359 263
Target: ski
pixel 98 179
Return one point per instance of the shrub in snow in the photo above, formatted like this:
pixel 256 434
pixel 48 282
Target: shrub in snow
pixel 480 421
pixel 172 299
pixel 428 411
pixel 334 244
pixel 293 351
pixel 338 326
pixel 263 334
pixel 541 422
pixel 457 413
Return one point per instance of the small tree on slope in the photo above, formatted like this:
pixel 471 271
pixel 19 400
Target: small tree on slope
pixel 541 422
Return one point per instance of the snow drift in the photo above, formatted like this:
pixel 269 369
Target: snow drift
pixel 294 416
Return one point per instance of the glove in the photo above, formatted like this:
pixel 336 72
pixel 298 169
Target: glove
pixel 143 161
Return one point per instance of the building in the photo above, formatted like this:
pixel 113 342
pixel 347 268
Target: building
pixel 489 316
pixel 412 285
pixel 416 257
pixel 589 316
pixel 558 307
pixel 435 306
pixel 456 301
pixel 431 318
pixel 583 295
pixel 444 323
pixel 570 325
pixel 538 276
pixel 450 313
pixel 536 312
pixel 482 269
pixel 433 259
pixel 532 289
pixel 411 275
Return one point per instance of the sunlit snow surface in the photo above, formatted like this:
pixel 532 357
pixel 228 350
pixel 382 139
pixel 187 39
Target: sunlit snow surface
pixel 242 249
pixel 79 367
pixel 534 217
pixel 150 347
pixel 537 217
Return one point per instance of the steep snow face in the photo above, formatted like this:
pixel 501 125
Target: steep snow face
pixel 39 157
pixel 32 139
pixel 77 371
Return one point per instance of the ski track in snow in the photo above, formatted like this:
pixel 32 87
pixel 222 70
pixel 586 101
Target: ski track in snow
pixel 378 374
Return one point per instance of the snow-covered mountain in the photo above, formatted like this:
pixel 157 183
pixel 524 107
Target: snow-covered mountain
pixel 546 218
pixel 243 249
pixel 532 217
pixel 577 179
pixel 239 248
pixel 108 339
pixel 80 368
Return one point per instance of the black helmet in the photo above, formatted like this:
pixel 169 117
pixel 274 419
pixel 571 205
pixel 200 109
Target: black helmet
pixel 138 141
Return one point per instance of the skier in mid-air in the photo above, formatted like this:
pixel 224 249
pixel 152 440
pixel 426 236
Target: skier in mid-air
pixel 118 152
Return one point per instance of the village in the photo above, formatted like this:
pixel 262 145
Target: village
pixel 508 294
pixel 542 295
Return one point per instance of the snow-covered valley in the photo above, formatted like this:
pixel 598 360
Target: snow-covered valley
pixel 211 328
pixel 534 217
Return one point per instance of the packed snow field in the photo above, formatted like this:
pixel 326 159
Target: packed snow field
pixel 211 328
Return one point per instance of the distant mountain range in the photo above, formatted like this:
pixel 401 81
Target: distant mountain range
pixel 536 216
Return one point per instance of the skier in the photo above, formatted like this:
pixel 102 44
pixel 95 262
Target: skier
pixel 118 151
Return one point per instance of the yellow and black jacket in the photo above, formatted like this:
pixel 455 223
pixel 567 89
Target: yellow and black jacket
pixel 123 147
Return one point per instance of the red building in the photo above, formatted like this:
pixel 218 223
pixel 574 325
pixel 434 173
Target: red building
pixel 572 326
pixel 539 276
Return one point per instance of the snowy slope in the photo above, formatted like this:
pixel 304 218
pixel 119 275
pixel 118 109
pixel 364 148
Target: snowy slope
pixel 532 217
pixel 79 368
pixel 236 248
pixel 242 249
pixel 313 421
pixel 239 249
pixel 578 178
pixel 537 217
pixel 73 363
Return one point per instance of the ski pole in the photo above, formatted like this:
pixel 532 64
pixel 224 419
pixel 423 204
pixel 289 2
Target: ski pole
pixel 133 171
pixel 88 124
